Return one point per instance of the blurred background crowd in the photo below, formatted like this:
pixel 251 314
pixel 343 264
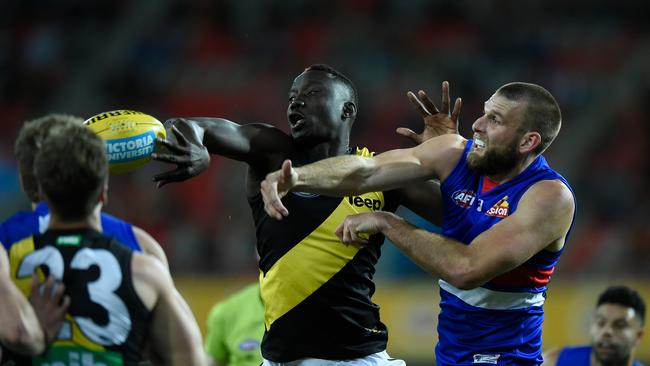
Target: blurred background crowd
pixel 236 59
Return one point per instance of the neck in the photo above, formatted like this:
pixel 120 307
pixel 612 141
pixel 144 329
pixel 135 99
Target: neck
pixel 322 151
pixel 91 221
pixel 501 178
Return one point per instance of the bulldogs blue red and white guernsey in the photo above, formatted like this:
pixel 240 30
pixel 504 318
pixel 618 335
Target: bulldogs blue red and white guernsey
pixel 499 323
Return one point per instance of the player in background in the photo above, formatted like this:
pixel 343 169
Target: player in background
pixel 235 329
pixel 616 333
pixel 22 224
pixel 507 216
pixel 317 295
pixel 119 298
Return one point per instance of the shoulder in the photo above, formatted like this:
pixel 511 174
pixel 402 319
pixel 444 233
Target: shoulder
pixel 18 226
pixel 149 245
pixel 550 195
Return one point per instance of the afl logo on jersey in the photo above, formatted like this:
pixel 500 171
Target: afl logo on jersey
pixel 464 198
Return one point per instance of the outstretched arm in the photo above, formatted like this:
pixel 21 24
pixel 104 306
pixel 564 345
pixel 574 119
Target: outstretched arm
pixel 345 175
pixel 542 219
pixel 196 138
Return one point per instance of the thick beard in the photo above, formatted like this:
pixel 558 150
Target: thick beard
pixel 495 160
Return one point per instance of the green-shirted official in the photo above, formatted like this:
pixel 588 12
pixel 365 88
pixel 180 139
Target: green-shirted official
pixel 236 328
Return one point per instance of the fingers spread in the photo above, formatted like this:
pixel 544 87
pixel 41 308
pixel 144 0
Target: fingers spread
pixel 418 104
pixel 456 112
pixel 176 175
pixel 445 97
pixel 172 146
pixel 426 101
pixel 179 136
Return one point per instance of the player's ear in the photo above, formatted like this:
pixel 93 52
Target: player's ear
pixel 103 194
pixel 529 142
pixel 349 110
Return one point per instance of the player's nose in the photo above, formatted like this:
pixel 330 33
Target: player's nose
pixel 296 103
pixel 479 125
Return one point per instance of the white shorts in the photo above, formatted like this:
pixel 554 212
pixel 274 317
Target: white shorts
pixel 376 359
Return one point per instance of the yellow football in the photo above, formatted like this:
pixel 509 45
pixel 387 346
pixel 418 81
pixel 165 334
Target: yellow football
pixel 130 137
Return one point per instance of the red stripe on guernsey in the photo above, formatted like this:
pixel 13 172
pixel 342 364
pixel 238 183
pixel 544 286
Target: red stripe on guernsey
pixel 524 276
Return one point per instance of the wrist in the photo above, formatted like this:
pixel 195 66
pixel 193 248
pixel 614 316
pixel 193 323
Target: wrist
pixel 388 221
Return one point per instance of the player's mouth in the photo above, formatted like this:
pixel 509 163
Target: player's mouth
pixel 479 144
pixel 605 348
pixel 296 121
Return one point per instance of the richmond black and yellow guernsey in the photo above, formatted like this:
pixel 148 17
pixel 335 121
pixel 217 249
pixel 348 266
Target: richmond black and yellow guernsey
pixel 317 291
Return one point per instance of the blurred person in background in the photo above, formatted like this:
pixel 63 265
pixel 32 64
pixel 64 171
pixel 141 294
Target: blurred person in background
pixel 506 220
pixel 30 140
pixel 119 299
pixel 235 329
pixel 317 295
pixel 616 332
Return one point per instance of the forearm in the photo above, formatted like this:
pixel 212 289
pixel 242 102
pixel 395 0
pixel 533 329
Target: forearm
pixel 21 332
pixel 443 257
pixel 338 176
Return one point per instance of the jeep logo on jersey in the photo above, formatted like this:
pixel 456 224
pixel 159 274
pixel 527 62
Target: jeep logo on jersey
pixel 500 209
pixel 464 198
pixel 360 202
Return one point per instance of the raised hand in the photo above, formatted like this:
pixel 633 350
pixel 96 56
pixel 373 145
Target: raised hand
pixel 275 186
pixel 188 153
pixel 50 305
pixel 436 121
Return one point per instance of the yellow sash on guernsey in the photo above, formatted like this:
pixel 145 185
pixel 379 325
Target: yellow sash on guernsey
pixel 16 254
pixel 314 260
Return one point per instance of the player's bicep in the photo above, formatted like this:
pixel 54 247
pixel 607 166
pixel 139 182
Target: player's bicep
pixel 542 219
pixel 251 143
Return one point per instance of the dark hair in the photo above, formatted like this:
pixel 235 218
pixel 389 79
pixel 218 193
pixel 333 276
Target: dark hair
pixel 624 296
pixel 340 76
pixel 29 141
pixel 71 169
pixel 542 112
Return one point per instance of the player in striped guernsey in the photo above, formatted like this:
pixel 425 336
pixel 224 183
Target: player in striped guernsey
pixel 316 292
pixel 507 216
